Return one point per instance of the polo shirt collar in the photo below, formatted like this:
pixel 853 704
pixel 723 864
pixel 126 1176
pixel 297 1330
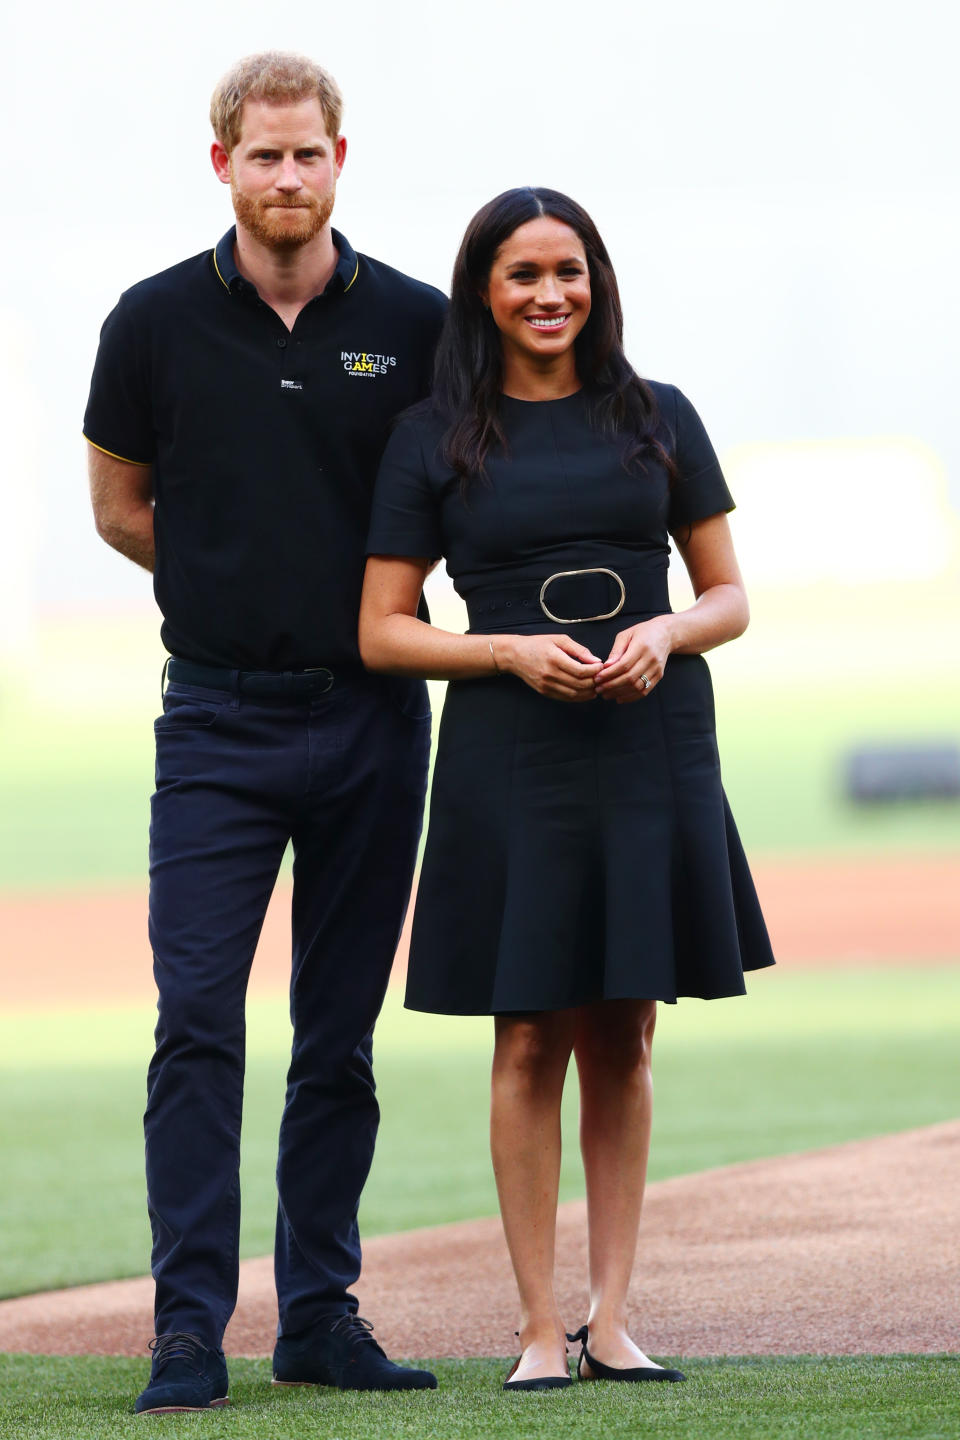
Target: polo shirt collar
pixel 344 275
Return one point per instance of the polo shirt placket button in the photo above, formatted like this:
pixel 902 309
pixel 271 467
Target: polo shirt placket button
pixel 281 343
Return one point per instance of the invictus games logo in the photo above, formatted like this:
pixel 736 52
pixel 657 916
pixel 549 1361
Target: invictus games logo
pixel 365 363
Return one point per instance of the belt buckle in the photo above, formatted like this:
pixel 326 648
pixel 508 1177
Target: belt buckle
pixel 318 671
pixel 580 619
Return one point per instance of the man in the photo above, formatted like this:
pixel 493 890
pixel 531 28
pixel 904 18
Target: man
pixel 238 407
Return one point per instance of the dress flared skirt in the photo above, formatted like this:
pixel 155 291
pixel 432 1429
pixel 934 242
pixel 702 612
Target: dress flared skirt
pixel 579 852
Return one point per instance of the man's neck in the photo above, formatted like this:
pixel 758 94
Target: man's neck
pixel 287 280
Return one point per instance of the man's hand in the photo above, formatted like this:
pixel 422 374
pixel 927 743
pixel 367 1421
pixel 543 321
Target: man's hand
pixel 122 497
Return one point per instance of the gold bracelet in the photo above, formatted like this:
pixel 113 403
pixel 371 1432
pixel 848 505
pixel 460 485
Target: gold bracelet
pixel 493 657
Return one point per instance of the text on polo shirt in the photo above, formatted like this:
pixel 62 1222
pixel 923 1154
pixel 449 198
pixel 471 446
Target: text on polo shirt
pixel 364 363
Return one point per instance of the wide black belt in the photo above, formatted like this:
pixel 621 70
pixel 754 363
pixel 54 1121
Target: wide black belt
pixel 265 683
pixel 570 597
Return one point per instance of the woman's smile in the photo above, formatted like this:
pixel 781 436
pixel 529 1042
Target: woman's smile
pixel 547 322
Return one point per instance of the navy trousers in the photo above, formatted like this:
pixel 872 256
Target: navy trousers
pixel 341 775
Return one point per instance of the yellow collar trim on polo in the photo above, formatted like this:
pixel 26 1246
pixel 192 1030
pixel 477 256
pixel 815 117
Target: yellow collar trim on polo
pixel 227 287
pixel 217 268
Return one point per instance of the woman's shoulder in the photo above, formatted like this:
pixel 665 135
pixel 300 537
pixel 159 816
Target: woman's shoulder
pixel 674 410
pixel 665 395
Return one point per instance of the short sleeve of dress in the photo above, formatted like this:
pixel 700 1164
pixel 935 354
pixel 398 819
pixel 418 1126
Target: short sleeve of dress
pixel 699 489
pixel 119 414
pixel 405 519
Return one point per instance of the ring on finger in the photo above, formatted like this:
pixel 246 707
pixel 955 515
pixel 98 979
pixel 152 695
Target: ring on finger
pixel 646 682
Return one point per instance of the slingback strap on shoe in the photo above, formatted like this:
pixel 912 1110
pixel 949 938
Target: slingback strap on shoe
pixel 609 1372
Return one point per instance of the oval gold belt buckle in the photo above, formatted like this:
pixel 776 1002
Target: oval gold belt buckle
pixel 580 619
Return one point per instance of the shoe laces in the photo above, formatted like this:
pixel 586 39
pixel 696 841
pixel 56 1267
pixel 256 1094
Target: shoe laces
pixel 355 1328
pixel 178 1346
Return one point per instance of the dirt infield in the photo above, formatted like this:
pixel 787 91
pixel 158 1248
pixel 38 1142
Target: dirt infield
pixel 848 1250
pixel 92 948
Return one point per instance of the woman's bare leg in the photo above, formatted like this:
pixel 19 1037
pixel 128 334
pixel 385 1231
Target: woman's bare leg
pixel 612 1047
pixel 530 1060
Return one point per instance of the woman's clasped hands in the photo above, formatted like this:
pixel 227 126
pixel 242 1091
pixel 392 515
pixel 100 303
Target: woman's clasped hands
pixel 562 669
pixel 636 662
pixel 553 665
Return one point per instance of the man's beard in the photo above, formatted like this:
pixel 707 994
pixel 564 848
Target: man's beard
pixel 259 216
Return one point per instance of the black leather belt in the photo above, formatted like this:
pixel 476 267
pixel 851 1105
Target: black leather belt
pixel 571 597
pixel 266 683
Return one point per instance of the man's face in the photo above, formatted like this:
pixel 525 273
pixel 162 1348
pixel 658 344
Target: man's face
pixel 282 172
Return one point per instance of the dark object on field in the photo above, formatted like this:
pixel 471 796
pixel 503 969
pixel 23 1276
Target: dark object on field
pixel 929 771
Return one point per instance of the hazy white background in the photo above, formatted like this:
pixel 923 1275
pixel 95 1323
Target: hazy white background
pixel 777 184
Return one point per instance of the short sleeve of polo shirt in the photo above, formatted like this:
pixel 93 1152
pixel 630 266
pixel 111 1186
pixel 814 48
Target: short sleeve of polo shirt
pixel 699 489
pixel 119 414
pixel 405 519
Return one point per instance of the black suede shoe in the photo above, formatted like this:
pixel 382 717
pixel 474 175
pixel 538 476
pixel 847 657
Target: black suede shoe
pixel 185 1375
pixel 340 1350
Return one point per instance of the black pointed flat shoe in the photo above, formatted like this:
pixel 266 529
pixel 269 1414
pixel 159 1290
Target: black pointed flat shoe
pixel 542 1382
pixel 609 1372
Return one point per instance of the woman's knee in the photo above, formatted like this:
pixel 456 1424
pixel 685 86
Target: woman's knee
pixel 533 1047
pixel 617 1036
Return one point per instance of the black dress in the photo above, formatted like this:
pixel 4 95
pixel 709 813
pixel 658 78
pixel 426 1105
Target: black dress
pixel 575 851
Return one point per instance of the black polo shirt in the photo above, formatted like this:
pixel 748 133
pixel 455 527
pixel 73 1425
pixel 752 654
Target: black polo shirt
pixel 264 445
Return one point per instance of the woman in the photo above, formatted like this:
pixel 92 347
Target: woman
pixel 581 861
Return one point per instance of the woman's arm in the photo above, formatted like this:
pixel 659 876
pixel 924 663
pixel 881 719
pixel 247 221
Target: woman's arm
pixel 393 640
pixel 721 613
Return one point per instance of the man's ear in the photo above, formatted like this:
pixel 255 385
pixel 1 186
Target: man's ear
pixel 340 153
pixel 221 162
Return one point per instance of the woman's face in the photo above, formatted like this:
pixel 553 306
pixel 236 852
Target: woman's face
pixel 538 290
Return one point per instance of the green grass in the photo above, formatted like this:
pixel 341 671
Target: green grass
pixel 808 1059
pixel 74 799
pixel 75 785
pixel 897 1397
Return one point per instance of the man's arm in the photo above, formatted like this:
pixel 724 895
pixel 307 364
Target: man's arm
pixel 122 498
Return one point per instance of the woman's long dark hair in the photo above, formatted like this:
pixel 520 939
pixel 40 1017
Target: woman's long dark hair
pixel 468 372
